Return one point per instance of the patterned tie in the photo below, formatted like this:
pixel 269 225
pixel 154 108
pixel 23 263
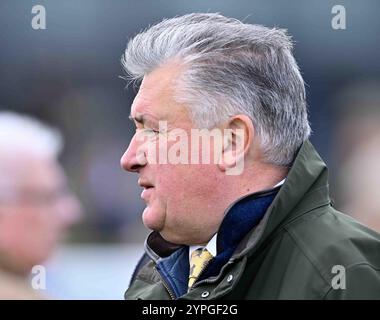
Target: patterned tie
pixel 198 261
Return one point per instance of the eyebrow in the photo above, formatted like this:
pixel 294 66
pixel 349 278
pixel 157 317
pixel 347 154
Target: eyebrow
pixel 139 119
pixel 142 119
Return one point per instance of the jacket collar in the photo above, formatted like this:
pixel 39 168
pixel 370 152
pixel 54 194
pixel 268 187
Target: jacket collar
pixel 157 247
pixel 306 188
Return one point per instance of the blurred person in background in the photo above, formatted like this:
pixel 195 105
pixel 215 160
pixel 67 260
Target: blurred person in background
pixel 357 146
pixel 36 206
pixel 269 232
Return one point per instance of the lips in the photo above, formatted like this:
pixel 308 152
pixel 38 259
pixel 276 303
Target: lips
pixel 145 195
pixel 145 184
pixel 148 188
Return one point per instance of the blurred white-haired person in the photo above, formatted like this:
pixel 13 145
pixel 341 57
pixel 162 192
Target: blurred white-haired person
pixel 36 206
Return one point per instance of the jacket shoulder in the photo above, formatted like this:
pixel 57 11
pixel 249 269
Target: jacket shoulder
pixel 333 241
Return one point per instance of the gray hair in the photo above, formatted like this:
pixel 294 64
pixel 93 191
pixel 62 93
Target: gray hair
pixel 24 135
pixel 230 68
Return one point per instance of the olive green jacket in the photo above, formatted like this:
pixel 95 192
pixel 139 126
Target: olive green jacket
pixel 302 249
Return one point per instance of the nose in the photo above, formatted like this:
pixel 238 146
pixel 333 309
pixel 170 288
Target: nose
pixel 134 157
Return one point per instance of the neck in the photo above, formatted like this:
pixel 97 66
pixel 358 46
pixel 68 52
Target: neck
pixel 257 177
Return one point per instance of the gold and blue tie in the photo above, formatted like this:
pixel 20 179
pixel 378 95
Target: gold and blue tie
pixel 198 262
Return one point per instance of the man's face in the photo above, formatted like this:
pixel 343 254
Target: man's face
pixel 182 201
pixel 37 215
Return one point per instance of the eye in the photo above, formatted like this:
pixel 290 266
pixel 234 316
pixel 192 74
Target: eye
pixel 148 131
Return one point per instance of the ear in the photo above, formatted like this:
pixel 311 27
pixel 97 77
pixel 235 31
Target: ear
pixel 238 136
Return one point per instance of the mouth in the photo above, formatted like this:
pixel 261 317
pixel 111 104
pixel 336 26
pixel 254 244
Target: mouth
pixel 148 188
pixel 145 184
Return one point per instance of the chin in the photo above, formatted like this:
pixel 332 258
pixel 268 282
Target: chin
pixel 152 219
pixel 171 238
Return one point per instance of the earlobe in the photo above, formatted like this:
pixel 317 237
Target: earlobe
pixel 245 128
pixel 237 139
pixel 227 159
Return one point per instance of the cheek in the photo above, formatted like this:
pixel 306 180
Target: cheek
pixel 173 180
pixel 42 228
pixel 186 186
pixel 45 234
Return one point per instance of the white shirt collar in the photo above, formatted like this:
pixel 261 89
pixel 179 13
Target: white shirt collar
pixel 211 247
pixel 280 183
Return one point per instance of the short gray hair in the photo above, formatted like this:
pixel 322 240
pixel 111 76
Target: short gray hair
pixel 23 133
pixel 231 68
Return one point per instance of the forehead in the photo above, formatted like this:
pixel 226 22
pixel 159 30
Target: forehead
pixel 156 94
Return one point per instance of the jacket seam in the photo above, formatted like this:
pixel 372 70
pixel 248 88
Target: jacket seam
pixel 303 214
pixel 351 267
pixel 138 267
pixel 313 263
pixel 275 233
pixel 146 278
pixel 317 206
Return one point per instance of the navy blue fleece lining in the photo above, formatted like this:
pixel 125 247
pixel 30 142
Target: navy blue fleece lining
pixel 242 218
pixel 175 270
